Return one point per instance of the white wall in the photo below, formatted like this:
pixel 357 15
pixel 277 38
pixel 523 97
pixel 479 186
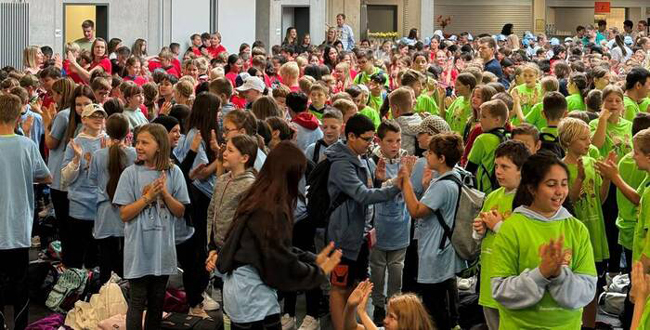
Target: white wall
pixel 189 17
pixel 236 23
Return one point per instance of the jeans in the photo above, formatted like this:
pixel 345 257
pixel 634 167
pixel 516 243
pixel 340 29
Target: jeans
pixel 147 292
pixel 13 285
pixel 380 261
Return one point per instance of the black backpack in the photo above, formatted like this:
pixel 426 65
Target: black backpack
pixel 551 143
pixel 319 205
pixel 320 143
pixel 501 133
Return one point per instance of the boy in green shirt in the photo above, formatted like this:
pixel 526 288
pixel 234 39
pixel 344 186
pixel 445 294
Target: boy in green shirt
pixel 637 86
pixel 318 97
pixel 424 103
pixel 359 95
pixel 529 136
pixel 480 161
pixel 555 108
pixel 377 93
pixel 510 156
pixel 366 61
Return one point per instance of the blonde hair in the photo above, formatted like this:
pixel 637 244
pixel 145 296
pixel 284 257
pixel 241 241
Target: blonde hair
pixel 289 69
pixel 29 56
pixel 159 133
pixel 570 129
pixel 410 312
pixel 550 84
pixel 72 47
pixel 530 67
pixel 184 87
pixel 642 140
pixel 305 84
pixel 64 87
pixel 400 98
pixel 344 105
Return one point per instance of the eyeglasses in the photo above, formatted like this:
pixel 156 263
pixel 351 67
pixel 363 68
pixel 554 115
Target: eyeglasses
pixel 367 139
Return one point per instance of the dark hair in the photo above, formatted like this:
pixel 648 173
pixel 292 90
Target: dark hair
pixel 467 78
pixel 313 70
pixel 297 102
pixel 594 99
pixel 47 51
pixel 561 69
pixel 488 40
pixel 247 145
pixel 532 175
pixel 555 105
pixel 636 75
pixel 117 127
pixel 413 34
pixel 204 118
pixel 181 112
pixel 326 57
pixel 265 107
pixel 581 82
pixel 232 60
pixel 387 126
pixel 507 29
pixel 526 129
pixel 619 42
pixel 358 124
pixel 113 106
pixel 264 132
pixel 640 122
pixel 280 125
pixel 515 150
pixel 448 144
pixel 75 119
pixel 50 72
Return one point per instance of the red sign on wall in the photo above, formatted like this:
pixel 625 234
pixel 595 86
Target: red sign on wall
pixel 601 7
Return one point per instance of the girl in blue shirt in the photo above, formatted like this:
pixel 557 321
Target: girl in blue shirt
pixel 152 196
pixel 105 169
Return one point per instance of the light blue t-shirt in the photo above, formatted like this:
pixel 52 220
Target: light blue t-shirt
pixel 259 160
pixel 55 158
pixel 136 118
pixel 205 186
pixel 436 265
pixel 20 164
pixel 107 221
pixel 392 224
pixel 149 246
pixel 37 130
pixel 246 298
pixel 82 193
pixel 305 137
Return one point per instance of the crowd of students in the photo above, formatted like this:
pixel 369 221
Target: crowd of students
pixel 210 161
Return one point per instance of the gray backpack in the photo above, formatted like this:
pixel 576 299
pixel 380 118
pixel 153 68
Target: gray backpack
pixel 67 290
pixel 468 206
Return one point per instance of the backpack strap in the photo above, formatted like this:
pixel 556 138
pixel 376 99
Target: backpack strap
pixel 500 132
pixel 315 156
pixel 448 231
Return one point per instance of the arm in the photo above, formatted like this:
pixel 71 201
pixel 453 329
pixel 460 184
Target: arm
pixel 415 208
pixel 574 192
pixel 70 170
pixel 598 139
pixel 47 179
pixel 175 207
pixel 128 212
pixel 572 290
pixel 350 320
pixel 521 291
pixel 349 183
pixel 50 142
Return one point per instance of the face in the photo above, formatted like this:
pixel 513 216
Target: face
pixel 333 54
pixel 640 27
pixel 434 161
pixel 365 44
pixel 136 100
pixel 420 63
pixel 528 140
pixel 339 73
pixel 530 77
pixel 134 69
pixel 39 57
pixel 331 33
pixel 165 88
pixel 174 135
pixel 435 44
pixel 331 130
pixel 232 157
pixel 391 143
pixel 314 60
pixel 339 20
pixel 318 98
pixel 423 140
pixel 101 95
pixel 146 147
pixel 364 64
pixel 94 121
pixel 390 321
pixel 613 103
pixel 306 40
pixel 80 103
pixel 214 40
pixel 89 33
pixel 507 173
pixel 641 159
pixel 487 121
pixel 417 88
pixel 580 146
pixel 192 70
pixel 485 51
pixel 99 50
pixel 552 191
pixel 441 58
pixel 360 144
pixel 196 42
pixel 360 101
pixel 231 130
pixel 602 82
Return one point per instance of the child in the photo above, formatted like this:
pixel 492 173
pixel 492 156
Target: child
pixel 510 156
pixel 164 62
pixel 401 104
pixel 238 122
pixel 359 96
pixel 377 93
pixel 461 108
pixel 424 102
pixel 133 73
pixel 318 95
pixel 434 283
pixel 184 92
pixel 20 166
pixel 481 94
pixel 494 115
pixel 535 117
pixel 555 108
pixel 132 112
pixel 152 196
pixel 636 89
pixel 545 272
pixel 101 88
pixel 331 124
pixel 105 169
pixel 31 123
pixel 81 192
pixel 611 131
pixel 307 125
pixel 392 226
pixel 530 91
pixel 578 88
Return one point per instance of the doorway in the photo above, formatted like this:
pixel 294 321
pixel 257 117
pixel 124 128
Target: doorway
pixel 297 17
pixel 75 14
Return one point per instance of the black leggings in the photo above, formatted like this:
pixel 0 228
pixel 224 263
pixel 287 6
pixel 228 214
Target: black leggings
pixel 303 238
pixel 147 292
pixel 61 208
pixel 195 277
pixel 200 204
pixel 111 257
pixel 14 286
pixel 610 213
pixel 440 303
pixel 271 322
pixel 82 245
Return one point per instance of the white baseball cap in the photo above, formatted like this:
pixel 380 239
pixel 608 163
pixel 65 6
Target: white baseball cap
pixel 252 83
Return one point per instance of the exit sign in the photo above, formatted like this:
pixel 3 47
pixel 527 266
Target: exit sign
pixel 601 7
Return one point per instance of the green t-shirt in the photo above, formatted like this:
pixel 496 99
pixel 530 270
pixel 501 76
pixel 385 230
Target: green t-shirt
pixel 84 44
pixel 550 130
pixel 644 323
pixel 363 78
pixel 375 102
pixel 516 247
pixel 535 117
pixel 458 113
pixel 500 201
pixel 631 108
pixel 526 92
pixel 575 102
pixel 618 137
pixel 627 211
pixel 593 152
pixel 482 154
pixel 588 208
pixel 643 106
pixel 372 114
pixel 640 246
pixel 425 103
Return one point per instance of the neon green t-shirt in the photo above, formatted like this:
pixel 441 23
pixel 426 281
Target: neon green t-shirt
pixel 482 154
pixel 535 117
pixel 425 103
pixel 575 102
pixel 640 245
pixel 372 114
pixel 550 130
pixel 593 152
pixel 627 211
pixel 526 92
pixel 618 137
pixel 631 108
pixel 458 113
pixel 363 78
pixel 516 247
pixel 643 106
pixel 644 323
pixel 375 102
pixel 500 201
pixel 588 208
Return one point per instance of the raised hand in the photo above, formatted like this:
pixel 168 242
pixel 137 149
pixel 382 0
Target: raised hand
pixel 479 226
pixel 607 169
pixel 380 170
pixel 491 218
pixel 27 124
pixel 407 162
pixel 196 141
pixel 552 255
pixel 76 148
pixel 48 114
pixel 327 259
pixel 357 295
pixel 640 284
pixel 166 108
pixel 367 289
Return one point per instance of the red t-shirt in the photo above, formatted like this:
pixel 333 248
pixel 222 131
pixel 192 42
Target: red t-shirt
pixel 71 73
pixel 155 64
pixel 177 64
pixel 105 63
pixel 138 80
pixel 232 77
pixel 215 51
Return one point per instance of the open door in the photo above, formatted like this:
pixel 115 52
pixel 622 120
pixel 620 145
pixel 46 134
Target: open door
pixel 75 14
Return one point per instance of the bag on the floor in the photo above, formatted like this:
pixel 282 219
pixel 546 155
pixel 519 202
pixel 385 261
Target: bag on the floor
pixel 470 313
pixel 115 322
pixel 180 321
pixel 48 231
pixel 612 302
pixel 620 283
pixel 41 277
pixel 103 305
pixel 175 301
pixel 53 321
pixel 68 289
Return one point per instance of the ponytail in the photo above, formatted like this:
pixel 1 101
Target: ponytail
pixel 582 84
pixel 116 166
pixel 620 44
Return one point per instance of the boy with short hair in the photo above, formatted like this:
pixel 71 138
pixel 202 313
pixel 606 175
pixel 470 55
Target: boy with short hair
pixel 101 89
pixel 222 88
pixel 48 76
pixel 392 226
pixel 347 108
pixel 480 162
pixel 165 62
pixel 359 95
pixel 307 124
pixel 401 103
pixel 366 59
pixel 377 92
pixel 318 97
pixel 510 156
pixel 30 123
pixel 424 102
pixel 555 108
pixel 529 135
pixel 331 124
pixel 21 165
